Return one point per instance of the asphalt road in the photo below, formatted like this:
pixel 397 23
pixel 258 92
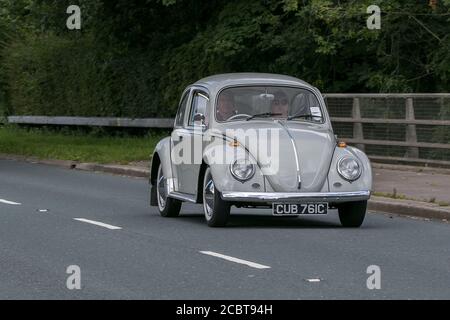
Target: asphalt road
pixel 152 257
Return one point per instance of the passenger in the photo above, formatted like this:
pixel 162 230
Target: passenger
pixel 280 104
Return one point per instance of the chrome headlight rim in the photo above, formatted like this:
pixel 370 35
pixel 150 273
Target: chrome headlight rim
pixel 237 177
pixel 343 176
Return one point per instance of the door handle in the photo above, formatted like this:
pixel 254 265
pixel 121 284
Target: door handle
pixel 179 136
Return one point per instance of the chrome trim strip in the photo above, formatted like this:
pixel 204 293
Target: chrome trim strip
pixel 296 196
pixel 297 161
pixel 183 196
pixel 202 95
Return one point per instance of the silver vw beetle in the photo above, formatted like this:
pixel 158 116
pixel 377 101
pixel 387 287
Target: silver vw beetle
pixel 258 141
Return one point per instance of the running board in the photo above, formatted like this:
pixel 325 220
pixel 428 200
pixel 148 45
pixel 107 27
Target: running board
pixel 183 196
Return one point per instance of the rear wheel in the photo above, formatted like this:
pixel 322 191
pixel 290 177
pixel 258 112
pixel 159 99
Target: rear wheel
pixel 168 207
pixel 351 214
pixel 217 211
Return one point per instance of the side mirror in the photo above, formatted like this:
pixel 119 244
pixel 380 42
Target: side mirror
pixel 199 119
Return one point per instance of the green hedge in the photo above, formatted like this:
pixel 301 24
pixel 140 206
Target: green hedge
pixel 50 75
pixel 133 58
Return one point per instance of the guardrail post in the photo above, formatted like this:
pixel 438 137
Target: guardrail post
pixel 357 126
pixel 411 134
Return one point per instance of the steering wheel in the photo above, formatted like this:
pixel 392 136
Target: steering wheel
pixel 238 115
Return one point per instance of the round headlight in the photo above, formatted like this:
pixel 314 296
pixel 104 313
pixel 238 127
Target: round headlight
pixel 242 169
pixel 349 168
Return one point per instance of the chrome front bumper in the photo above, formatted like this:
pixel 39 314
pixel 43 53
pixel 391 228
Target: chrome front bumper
pixel 269 197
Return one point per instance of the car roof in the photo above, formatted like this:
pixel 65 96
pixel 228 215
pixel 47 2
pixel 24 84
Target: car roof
pixel 217 82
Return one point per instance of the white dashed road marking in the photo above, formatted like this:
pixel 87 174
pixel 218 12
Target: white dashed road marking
pixel 10 202
pixel 236 260
pixel 314 280
pixel 100 224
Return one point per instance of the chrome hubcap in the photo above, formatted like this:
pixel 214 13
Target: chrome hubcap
pixel 208 196
pixel 161 189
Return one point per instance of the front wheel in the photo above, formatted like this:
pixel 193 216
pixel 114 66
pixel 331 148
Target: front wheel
pixel 352 214
pixel 168 207
pixel 217 211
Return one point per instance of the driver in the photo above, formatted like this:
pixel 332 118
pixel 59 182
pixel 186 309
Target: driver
pixel 225 107
pixel 280 104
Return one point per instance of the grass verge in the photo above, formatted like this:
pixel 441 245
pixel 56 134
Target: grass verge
pixel 403 197
pixel 96 146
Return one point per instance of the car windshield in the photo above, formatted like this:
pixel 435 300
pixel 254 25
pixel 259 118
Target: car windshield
pixel 257 102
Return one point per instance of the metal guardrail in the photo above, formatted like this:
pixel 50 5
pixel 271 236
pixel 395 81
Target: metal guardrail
pixel 395 127
pixel 412 128
pixel 94 121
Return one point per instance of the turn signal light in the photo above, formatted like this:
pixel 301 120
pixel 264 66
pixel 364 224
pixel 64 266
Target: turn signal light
pixel 342 144
pixel 234 143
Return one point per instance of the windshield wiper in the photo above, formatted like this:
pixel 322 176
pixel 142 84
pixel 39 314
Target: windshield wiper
pixel 265 115
pixel 302 116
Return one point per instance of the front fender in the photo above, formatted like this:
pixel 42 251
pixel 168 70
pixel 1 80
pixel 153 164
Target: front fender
pixel 337 183
pixel 219 156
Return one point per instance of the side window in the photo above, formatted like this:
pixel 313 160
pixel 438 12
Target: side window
pixel 181 110
pixel 199 105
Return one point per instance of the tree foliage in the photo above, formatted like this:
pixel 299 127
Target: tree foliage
pixel 134 57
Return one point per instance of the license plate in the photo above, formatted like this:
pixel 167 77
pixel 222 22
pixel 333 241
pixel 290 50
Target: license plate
pixel 295 209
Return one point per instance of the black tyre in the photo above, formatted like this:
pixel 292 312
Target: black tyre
pixel 168 207
pixel 217 211
pixel 351 214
